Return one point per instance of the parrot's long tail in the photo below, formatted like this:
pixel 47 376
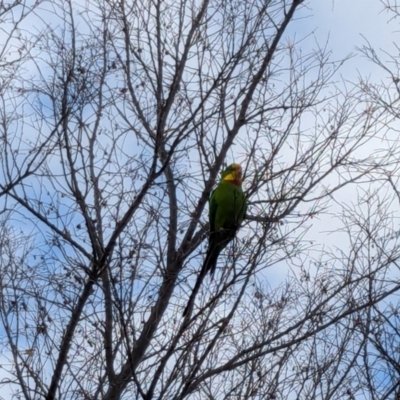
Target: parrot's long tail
pixel 189 306
pixel 210 263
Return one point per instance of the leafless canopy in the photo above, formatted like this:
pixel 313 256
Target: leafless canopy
pixel 116 117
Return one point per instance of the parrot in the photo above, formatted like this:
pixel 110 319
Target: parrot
pixel 227 210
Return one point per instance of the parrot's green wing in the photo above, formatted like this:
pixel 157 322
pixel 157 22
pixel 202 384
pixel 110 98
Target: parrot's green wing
pixel 227 211
pixel 212 210
pixel 229 206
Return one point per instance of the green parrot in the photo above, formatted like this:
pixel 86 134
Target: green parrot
pixel 227 209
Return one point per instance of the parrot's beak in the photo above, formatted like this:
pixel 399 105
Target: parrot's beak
pixel 234 174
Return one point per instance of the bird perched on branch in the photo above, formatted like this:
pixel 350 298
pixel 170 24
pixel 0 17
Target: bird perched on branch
pixel 227 209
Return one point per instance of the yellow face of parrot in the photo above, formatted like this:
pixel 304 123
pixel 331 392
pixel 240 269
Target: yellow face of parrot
pixel 233 174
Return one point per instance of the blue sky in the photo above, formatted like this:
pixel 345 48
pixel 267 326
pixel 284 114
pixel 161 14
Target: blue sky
pixel 343 26
pixel 346 24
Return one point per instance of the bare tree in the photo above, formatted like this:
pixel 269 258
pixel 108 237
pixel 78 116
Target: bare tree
pixel 378 369
pixel 113 134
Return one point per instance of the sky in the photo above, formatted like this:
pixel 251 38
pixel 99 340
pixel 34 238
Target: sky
pixel 344 26
pixel 347 24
